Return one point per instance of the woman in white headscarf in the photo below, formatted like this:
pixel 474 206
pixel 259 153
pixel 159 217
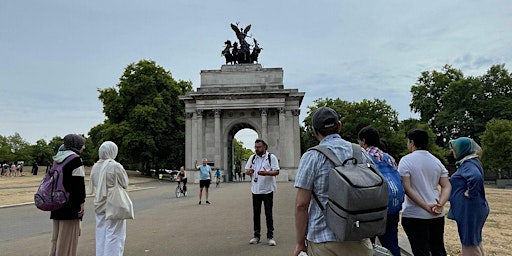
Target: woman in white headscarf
pixel 110 234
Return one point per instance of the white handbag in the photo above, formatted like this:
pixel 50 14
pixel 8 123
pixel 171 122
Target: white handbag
pixel 119 205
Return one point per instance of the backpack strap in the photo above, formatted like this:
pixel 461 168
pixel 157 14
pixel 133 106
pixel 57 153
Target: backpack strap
pixel 332 157
pixel 327 153
pixel 357 152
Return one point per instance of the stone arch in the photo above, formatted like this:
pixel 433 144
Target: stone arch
pixel 229 133
pixel 237 97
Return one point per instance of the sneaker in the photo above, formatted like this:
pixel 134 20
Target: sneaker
pixel 254 240
pixel 207 202
pixel 199 202
pixel 271 242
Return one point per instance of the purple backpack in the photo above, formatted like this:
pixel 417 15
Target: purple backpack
pixel 51 195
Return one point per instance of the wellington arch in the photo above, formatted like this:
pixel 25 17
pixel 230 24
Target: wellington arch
pixel 234 98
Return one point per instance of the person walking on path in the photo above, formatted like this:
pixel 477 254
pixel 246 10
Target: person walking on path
pixel 205 177
pixel 468 206
pixel 422 214
pixel 369 139
pixel 105 174
pixel 263 167
pixel 66 220
pixel 312 233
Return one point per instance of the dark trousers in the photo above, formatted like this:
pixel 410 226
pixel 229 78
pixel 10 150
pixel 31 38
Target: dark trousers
pixel 425 236
pixel 268 201
pixel 389 240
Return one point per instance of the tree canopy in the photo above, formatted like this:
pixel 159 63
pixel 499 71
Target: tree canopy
pixel 454 105
pixel 145 117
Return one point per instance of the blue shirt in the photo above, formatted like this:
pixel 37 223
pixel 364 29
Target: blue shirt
pixel 313 174
pixel 204 172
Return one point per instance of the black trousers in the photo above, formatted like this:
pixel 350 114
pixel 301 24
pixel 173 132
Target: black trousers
pixel 426 236
pixel 268 202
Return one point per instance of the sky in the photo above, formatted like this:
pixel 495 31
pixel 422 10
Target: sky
pixel 55 55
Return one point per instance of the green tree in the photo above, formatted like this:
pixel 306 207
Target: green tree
pixel 354 116
pixel 497 147
pixel 145 118
pixel 456 106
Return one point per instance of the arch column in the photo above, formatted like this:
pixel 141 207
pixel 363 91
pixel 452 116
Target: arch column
pixel 218 133
pixel 264 122
pixel 199 135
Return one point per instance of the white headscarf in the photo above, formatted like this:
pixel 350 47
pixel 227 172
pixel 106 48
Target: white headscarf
pixel 107 153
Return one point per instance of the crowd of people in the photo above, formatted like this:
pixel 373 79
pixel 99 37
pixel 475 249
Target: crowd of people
pixel 419 187
pixel 12 169
pixel 426 184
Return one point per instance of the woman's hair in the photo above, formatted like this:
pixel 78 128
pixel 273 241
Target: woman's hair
pixel 370 136
pixel 419 137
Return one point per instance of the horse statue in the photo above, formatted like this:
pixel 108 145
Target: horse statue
pixel 255 51
pixel 227 53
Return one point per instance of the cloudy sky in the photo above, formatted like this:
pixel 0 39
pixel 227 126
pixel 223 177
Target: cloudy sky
pixel 54 55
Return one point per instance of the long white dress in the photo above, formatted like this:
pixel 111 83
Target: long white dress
pixel 110 234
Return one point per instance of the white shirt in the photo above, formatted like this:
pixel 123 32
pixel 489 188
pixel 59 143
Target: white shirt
pixel 424 170
pixel 265 184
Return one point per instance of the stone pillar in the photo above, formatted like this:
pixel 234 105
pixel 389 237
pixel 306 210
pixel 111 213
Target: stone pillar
pixel 199 135
pixel 264 124
pixel 218 145
pixel 283 137
pixel 296 140
pixel 188 139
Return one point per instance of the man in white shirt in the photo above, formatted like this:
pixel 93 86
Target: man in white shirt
pixel 262 167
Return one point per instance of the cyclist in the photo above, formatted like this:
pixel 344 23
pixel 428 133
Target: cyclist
pixel 182 174
pixel 217 177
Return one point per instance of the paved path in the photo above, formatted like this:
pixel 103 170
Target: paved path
pixel 179 226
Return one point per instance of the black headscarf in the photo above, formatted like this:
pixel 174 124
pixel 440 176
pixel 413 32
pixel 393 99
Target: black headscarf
pixel 74 142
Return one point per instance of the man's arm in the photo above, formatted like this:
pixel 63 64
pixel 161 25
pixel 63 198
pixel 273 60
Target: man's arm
pixel 446 189
pixel 301 219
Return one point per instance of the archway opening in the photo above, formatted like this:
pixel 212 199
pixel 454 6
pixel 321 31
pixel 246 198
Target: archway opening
pixel 245 139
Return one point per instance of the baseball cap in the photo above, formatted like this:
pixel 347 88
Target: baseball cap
pixel 324 118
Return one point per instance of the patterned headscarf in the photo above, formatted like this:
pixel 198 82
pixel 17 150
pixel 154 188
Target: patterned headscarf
pixel 465 148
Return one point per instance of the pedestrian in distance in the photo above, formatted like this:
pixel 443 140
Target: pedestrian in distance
pixel 313 236
pixel 205 177
pixel 105 174
pixel 263 167
pixel 468 206
pixel 66 220
pixel 35 167
pixel 422 214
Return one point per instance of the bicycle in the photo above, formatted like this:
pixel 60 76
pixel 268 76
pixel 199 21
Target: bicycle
pixel 180 190
pixel 217 182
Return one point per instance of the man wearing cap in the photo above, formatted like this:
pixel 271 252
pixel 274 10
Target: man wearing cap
pixel 312 234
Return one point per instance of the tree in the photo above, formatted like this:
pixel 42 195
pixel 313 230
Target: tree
pixel 456 106
pixel 497 147
pixel 354 116
pixel 145 118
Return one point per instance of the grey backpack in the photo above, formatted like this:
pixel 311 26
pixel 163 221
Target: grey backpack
pixel 357 197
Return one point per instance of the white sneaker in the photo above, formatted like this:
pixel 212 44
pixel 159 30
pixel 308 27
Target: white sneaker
pixel 271 242
pixel 254 240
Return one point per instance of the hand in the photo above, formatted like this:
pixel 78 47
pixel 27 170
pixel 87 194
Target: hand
pixel 299 248
pixel 82 210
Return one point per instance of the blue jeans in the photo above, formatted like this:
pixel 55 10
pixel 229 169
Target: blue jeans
pixel 268 201
pixel 426 236
pixel 389 240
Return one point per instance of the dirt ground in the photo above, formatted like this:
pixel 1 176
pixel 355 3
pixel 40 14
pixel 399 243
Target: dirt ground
pixel 497 230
